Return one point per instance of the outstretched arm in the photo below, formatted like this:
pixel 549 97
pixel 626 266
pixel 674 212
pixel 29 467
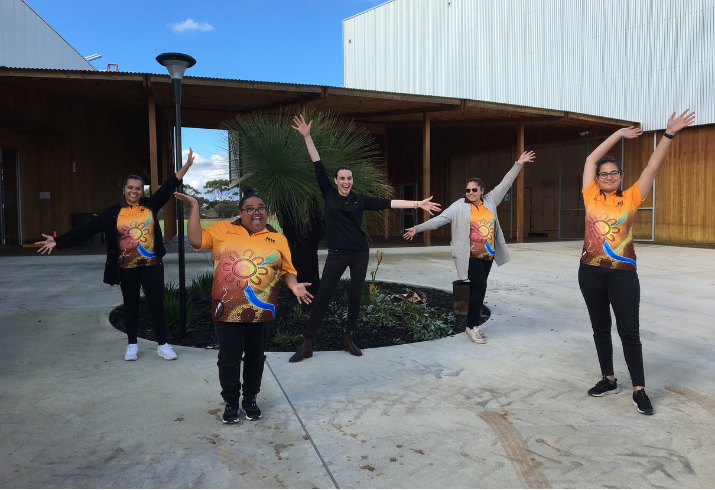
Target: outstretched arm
pixel 589 169
pixel 645 181
pixel 193 227
pixel 304 130
pixel 47 245
pixel 425 204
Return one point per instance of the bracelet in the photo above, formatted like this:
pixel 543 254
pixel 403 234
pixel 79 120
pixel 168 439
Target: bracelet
pixel 417 204
pixel 669 136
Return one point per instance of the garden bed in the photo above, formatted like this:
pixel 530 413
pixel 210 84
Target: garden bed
pixel 383 321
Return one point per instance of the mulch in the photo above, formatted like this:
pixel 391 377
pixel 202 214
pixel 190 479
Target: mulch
pixel 328 338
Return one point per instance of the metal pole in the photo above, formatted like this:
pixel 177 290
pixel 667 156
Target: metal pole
pixel 176 84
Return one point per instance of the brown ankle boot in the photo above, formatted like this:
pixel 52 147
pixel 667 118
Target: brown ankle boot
pixel 349 346
pixel 304 351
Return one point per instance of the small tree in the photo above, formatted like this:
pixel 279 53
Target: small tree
pixel 275 162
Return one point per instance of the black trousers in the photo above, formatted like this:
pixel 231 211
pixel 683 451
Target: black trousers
pixel 621 290
pixel 478 273
pixel 236 342
pixel 151 280
pixel 338 260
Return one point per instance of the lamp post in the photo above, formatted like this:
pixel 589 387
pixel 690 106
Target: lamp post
pixel 177 63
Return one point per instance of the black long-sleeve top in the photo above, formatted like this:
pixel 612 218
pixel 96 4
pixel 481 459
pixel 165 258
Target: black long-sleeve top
pixel 343 214
pixel 107 221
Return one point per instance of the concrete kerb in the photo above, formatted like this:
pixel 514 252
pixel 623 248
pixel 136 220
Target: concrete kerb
pixel 447 413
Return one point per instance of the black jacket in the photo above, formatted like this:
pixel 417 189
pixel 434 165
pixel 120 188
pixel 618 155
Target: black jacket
pixel 107 221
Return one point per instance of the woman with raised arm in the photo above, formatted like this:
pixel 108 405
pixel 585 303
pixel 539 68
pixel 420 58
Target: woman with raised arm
pixel 134 253
pixel 249 258
pixel 346 242
pixel 477 239
pixel 607 274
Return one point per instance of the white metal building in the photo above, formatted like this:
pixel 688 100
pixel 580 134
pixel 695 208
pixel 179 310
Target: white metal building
pixel 636 61
pixel 28 41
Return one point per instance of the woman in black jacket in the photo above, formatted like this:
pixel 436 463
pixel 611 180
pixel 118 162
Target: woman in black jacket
pixel 135 249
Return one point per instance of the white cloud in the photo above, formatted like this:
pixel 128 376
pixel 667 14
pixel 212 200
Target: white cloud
pixel 204 169
pixel 190 25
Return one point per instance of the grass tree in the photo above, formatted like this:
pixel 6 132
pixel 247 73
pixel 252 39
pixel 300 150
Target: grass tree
pixel 272 158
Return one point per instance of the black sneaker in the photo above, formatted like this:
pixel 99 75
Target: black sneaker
pixel 249 407
pixel 230 415
pixel 642 403
pixel 604 387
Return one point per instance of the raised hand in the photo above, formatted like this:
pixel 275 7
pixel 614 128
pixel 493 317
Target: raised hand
pixel 430 206
pixel 675 124
pixel 301 126
pixel 187 199
pixel 301 293
pixel 47 245
pixel 630 132
pixel 527 156
pixel 190 157
pixel 409 233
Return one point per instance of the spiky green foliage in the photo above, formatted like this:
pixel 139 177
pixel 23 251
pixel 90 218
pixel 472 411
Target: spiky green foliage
pixel 275 161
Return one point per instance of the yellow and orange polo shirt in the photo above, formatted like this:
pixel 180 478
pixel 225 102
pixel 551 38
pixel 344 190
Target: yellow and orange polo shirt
pixel 608 242
pixel 481 232
pixel 135 236
pixel 247 269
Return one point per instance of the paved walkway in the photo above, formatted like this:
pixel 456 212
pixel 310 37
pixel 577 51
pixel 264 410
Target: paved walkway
pixel 447 413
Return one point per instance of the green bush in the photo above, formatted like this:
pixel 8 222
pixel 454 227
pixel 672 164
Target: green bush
pixel 201 286
pixel 171 307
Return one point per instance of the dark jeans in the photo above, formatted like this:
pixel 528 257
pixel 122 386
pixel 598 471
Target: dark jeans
pixel 335 265
pixel 236 342
pixel 621 290
pixel 151 280
pixel 478 274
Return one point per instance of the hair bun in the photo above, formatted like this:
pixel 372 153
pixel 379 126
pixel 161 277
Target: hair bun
pixel 247 189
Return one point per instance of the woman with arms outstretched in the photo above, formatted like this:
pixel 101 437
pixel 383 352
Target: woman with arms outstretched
pixel 607 274
pixel 134 253
pixel 346 242
pixel 249 258
pixel 477 239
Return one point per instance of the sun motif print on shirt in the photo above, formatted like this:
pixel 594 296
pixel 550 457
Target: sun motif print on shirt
pixel 481 233
pixel 135 234
pixel 608 240
pixel 244 268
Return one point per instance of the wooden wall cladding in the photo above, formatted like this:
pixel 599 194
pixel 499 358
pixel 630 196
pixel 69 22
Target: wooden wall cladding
pixel 685 187
pixel 75 152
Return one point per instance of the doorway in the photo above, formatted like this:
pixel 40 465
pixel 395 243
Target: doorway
pixel 410 191
pixel 10 231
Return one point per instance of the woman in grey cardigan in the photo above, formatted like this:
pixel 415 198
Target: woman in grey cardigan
pixel 477 239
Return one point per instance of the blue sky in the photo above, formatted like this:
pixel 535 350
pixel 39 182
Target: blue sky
pixel 296 41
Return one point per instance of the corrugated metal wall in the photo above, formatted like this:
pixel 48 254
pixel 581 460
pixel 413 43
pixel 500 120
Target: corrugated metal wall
pixel 628 60
pixel 27 41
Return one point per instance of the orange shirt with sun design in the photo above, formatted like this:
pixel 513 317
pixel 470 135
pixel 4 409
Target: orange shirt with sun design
pixel 247 270
pixel 609 227
pixel 481 233
pixel 135 235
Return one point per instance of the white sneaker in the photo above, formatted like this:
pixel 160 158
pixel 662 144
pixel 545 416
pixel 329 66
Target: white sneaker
pixel 166 352
pixel 131 354
pixel 475 335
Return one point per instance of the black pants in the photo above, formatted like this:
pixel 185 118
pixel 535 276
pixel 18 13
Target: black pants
pixel 335 265
pixel 478 274
pixel 236 342
pixel 621 290
pixel 151 280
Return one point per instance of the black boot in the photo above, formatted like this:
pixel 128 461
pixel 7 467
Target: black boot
pixel 349 346
pixel 304 351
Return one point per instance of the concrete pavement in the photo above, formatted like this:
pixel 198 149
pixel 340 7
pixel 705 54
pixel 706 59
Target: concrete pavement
pixel 446 413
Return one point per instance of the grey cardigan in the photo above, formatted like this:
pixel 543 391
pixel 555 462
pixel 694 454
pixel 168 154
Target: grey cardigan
pixel 458 214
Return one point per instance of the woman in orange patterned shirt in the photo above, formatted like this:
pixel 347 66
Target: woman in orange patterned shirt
pixel 249 258
pixel 607 275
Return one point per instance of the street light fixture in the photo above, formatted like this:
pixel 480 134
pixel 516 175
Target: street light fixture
pixel 177 63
